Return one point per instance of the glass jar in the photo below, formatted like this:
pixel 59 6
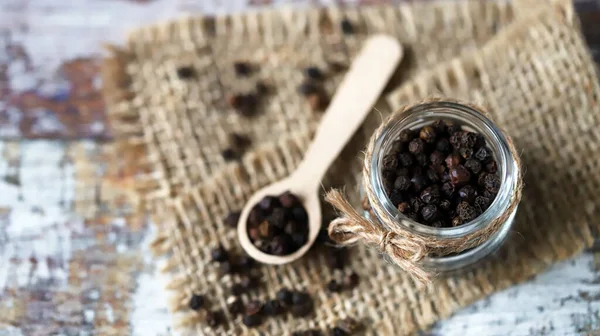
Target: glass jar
pixel 508 169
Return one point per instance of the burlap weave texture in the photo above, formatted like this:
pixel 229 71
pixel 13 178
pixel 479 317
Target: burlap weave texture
pixel 534 74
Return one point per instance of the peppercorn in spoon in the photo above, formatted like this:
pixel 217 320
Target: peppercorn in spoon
pixel 297 196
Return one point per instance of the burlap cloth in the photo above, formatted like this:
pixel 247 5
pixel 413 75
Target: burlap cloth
pixel 534 73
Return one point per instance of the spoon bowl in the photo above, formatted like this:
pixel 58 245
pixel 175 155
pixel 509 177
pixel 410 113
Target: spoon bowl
pixel 310 201
pixel 356 95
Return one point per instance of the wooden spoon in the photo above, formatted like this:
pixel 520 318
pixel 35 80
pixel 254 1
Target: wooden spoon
pixel 353 100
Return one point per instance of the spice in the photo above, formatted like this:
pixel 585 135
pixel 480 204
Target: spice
pixel 317 101
pixel 334 287
pixel 314 73
pixel 273 308
pixel 242 68
pixel 308 87
pixel 351 280
pixel 278 224
pixel 229 154
pixel 235 306
pixel 232 219
pixel 196 302
pixel 219 254
pixel 252 320
pixel 214 318
pixel 347 27
pixel 185 72
pixel 285 296
pixel 440 174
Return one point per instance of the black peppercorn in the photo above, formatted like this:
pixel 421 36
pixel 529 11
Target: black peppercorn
pixel 491 167
pixel 252 320
pixel 448 189
pixel 333 286
pixel 239 141
pixel 404 207
pixel 196 302
pixel 406 135
pixel 416 146
pixel 351 280
pixel 226 267
pixel 445 204
pixel 482 154
pixel 390 162
pixel 347 27
pixel 436 158
pixel 432 175
pixel 288 200
pixel 405 159
pixel 308 88
pixel 402 183
pixel 262 88
pixel 427 134
pixel 219 254
pixel 235 306
pixel 459 175
pixel 273 308
pixel 299 298
pixel 418 182
pixel 468 140
pixel 238 289
pixel 466 212
pixel 431 195
pixel 242 68
pixel 473 165
pixel 214 318
pixel 465 152
pixel 482 203
pixel 443 145
pixel 467 193
pixel 185 72
pixel 429 213
pixel 313 72
pixel 492 183
pixel 254 308
pixel 285 296
pixel 453 160
pixel 415 204
pixel 229 154
pixel 232 219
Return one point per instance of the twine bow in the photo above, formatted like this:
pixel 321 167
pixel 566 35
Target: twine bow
pixel 352 227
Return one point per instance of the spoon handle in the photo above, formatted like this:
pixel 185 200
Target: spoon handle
pixel 353 100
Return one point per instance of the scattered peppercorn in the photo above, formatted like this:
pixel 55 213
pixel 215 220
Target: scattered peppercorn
pixel 239 141
pixel 214 318
pixel 232 219
pixel 347 27
pixel 196 302
pixel 317 101
pixel 351 280
pixel 242 68
pixel 235 306
pixel 308 87
pixel 314 73
pixel 229 154
pixel 185 72
pixel 262 88
pixel 219 254
pixel 252 320
pixel 428 173
pixel 333 286
pixel 285 296
pixel 273 308
pixel 278 224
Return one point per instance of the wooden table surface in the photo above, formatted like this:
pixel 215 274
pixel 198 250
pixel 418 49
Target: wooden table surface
pixel 70 266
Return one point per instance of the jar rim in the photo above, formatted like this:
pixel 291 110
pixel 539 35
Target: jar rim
pixel 507 166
